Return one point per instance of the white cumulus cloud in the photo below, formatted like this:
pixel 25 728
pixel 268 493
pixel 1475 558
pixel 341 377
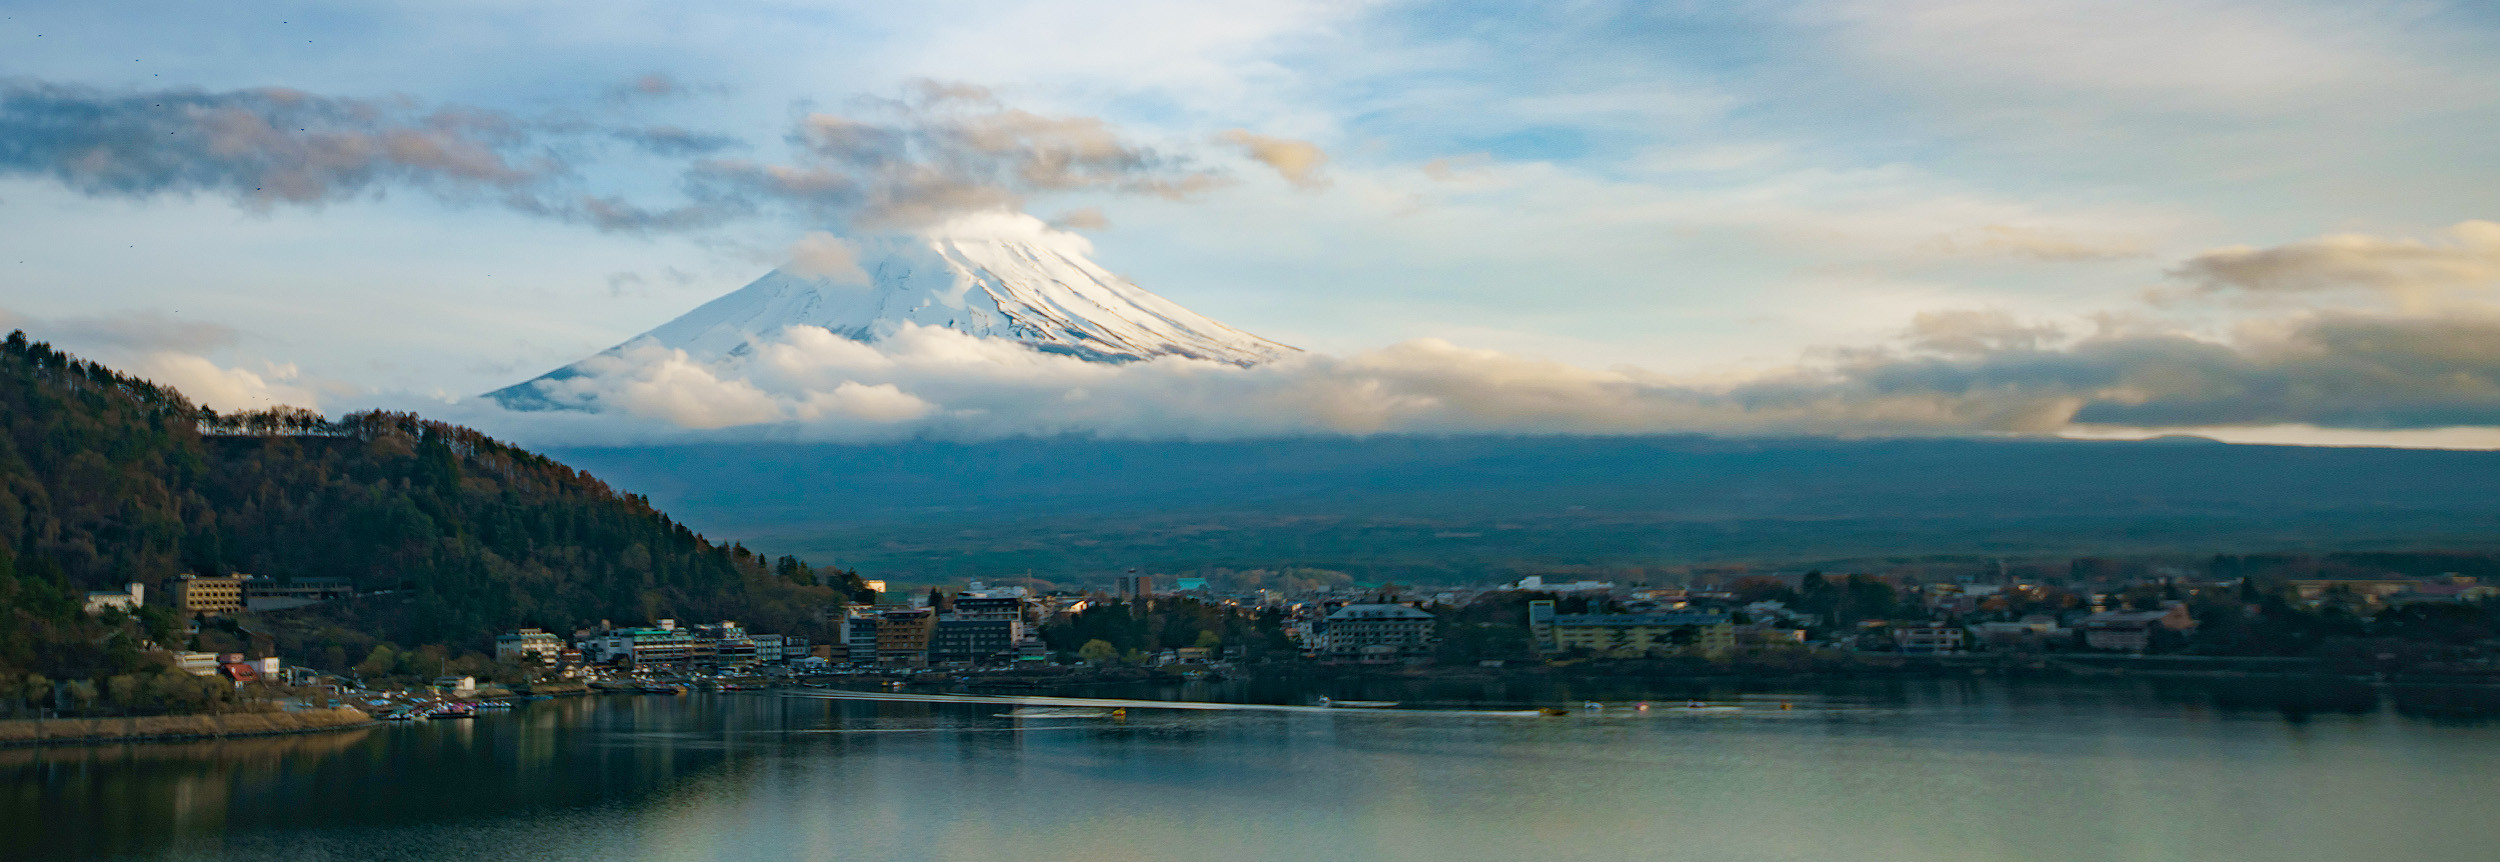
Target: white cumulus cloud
pixel 230 389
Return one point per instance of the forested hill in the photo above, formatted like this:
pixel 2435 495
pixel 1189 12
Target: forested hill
pixel 107 479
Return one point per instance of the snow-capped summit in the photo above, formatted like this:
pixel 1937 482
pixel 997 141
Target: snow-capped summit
pixel 995 275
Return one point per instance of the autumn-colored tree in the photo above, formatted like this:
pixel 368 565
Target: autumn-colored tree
pixel 1098 652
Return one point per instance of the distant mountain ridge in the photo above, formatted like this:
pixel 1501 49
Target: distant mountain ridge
pixel 1487 507
pixel 997 276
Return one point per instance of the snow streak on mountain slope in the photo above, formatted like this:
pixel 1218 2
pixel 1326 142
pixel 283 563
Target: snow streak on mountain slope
pixel 993 276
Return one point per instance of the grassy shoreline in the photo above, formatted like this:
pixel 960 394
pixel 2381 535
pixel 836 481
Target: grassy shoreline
pixel 158 728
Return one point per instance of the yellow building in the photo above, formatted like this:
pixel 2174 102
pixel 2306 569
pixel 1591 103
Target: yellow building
pixel 1631 635
pixel 209 596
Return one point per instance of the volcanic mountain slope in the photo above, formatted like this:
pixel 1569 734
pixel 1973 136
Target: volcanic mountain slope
pixel 998 276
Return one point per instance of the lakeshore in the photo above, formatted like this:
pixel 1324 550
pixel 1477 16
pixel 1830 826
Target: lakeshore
pixel 1805 668
pixel 2328 682
pixel 177 728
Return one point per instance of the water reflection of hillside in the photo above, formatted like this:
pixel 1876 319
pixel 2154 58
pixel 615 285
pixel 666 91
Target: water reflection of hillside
pixel 255 749
pixel 85 802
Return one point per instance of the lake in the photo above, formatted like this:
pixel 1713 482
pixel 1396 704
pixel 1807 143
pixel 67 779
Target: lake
pixel 1931 770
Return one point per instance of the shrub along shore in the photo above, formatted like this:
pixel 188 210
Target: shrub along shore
pixel 96 731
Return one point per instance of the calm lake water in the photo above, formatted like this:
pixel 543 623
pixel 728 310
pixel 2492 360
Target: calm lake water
pixel 1952 770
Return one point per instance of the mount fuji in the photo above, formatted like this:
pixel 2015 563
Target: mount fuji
pixel 997 276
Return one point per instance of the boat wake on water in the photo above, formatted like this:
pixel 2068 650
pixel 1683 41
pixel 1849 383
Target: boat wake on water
pixel 1048 712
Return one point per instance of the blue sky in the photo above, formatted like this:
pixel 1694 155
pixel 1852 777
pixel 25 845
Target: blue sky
pixel 1817 199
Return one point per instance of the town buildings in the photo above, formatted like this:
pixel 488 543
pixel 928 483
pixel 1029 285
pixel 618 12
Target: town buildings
pixel 967 641
pixel 1376 633
pixel 773 649
pixel 1630 635
pixel 987 625
pixel 903 637
pixel 2032 632
pixel 127 600
pixel 2364 591
pixel 202 595
pixel 2133 631
pixel 242 670
pixel 663 644
pixel 529 646
pixel 859 634
pixel 1537 584
pixel 721 644
pixel 2446 589
pixel 220 595
pixel 196 663
pixel 1768 636
pixel 982 625
pixel 1928 638
pixel 1008 608
pixel 233 666
pixel 268 594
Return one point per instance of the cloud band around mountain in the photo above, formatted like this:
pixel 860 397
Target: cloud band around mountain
pixel 2348 371
pixel 1954 372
